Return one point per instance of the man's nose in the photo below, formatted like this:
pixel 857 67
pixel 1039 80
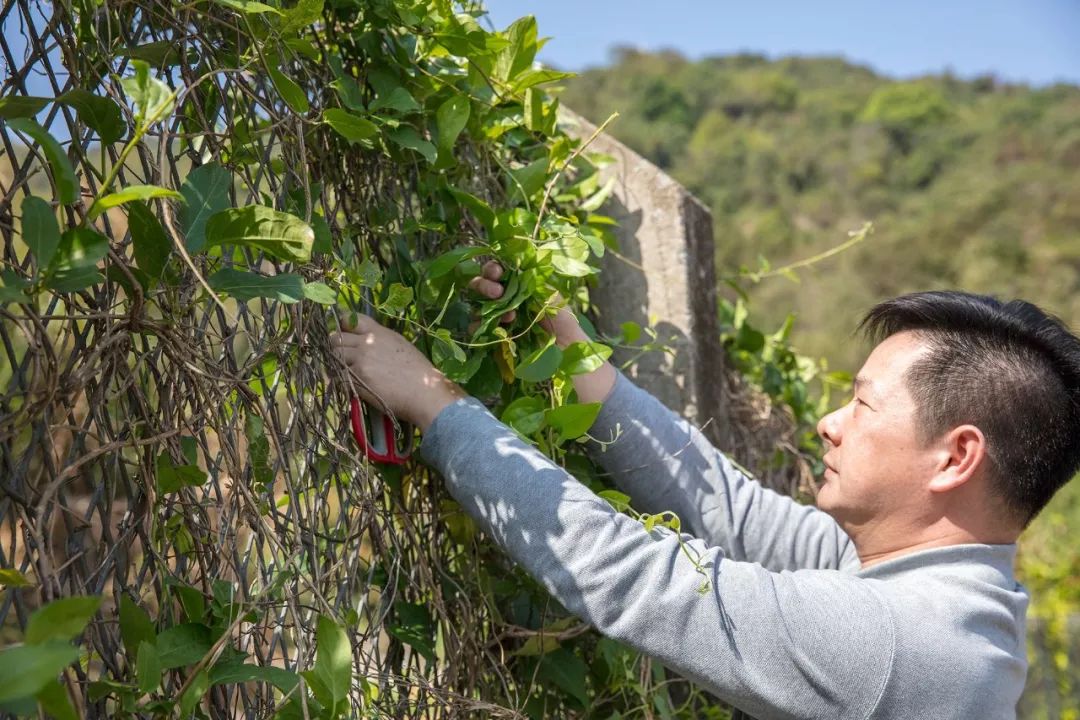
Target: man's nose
pixel 828 428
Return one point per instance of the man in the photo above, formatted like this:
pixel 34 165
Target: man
pixel 894 598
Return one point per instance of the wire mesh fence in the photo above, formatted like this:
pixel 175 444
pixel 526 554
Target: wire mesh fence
pixel 110 391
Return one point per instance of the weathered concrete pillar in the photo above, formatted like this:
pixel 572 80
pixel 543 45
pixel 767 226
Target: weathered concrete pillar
pixel 665 268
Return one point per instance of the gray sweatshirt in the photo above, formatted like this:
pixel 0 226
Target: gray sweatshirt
pixel 790 625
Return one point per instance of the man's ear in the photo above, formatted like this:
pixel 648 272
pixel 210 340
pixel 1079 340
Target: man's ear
pixel 962 452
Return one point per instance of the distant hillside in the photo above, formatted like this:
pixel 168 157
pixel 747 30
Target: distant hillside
pixel 970 184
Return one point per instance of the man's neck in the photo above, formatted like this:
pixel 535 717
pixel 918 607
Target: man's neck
pixel 878 553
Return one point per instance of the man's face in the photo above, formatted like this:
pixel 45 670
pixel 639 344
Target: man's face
pixel 876 464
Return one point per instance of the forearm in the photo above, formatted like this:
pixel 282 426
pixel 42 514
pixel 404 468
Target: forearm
pixel 664 463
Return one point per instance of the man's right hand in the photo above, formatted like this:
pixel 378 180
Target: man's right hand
pixel 592 387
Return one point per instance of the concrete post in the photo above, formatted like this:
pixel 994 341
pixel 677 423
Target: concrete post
pixel 665 268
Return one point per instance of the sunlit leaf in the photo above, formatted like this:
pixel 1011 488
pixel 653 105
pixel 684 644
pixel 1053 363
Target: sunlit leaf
pixel 525 414
pixel 153 98
pixel 249 7
pixel 574 420
pixel 320 292
pixel 279 234
pixel 583 357
pixel 397 299
pixel 128 194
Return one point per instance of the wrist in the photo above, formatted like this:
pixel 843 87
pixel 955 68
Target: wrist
pixel 438 392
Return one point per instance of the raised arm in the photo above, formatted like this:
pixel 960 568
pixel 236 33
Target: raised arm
pixel 780 645
pixel 664 463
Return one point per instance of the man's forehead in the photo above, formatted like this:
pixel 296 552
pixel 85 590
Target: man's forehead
pixel 889 362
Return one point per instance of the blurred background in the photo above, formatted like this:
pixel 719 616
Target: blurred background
pixel 953 127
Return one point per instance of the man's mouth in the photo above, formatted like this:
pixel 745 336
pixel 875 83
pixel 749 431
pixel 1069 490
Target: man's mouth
pixel 828 466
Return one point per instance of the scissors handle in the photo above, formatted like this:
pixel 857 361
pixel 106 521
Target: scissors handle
pixel 375 433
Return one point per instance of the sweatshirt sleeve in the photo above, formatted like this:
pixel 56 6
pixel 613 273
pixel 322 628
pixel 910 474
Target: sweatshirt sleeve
pixel 776 645
pixel 664 463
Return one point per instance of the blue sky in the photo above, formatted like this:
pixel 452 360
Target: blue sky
pixel 1032 41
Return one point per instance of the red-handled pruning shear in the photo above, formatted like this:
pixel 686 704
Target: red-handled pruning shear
pixel 376 433
pixel 377 436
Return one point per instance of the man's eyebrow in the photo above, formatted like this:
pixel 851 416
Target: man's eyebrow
pixel 865 384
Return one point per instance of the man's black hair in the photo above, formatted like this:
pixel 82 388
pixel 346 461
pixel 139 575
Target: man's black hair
pixel 1009 369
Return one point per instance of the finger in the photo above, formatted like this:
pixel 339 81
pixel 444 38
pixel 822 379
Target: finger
pixel 488 288
pixel 508 317
pixel 492 270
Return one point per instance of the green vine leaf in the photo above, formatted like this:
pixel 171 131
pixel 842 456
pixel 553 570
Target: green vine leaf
pixel 147 668
pixel 128 194
pixel 249 7
pixel 183 644
pixel 580 358
pixel 191 697
pixel 26 669
pixel 136 627
pixel 333 661
pixel 258 451
pixel 540 364
pixel 12 290
pixel 619 501
pixel 397 300
pixel 320 292
pixel 21 106
pixel 153 99
pixel 67 185
pixel 574 420
pixel 304 13
pixel 206 191
pixel 293 95
pixel 40 231
pixel 74 267
pixel 237 671
pixel 61 619
pixel 450 260
pixel 399 99
pixel 413 627
pixel 12 578
pixel 525 414
pixel 278 234
pixel 244 285
pixel 351 126
pixel 407 137
pixel 100 114
pixel 150 245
